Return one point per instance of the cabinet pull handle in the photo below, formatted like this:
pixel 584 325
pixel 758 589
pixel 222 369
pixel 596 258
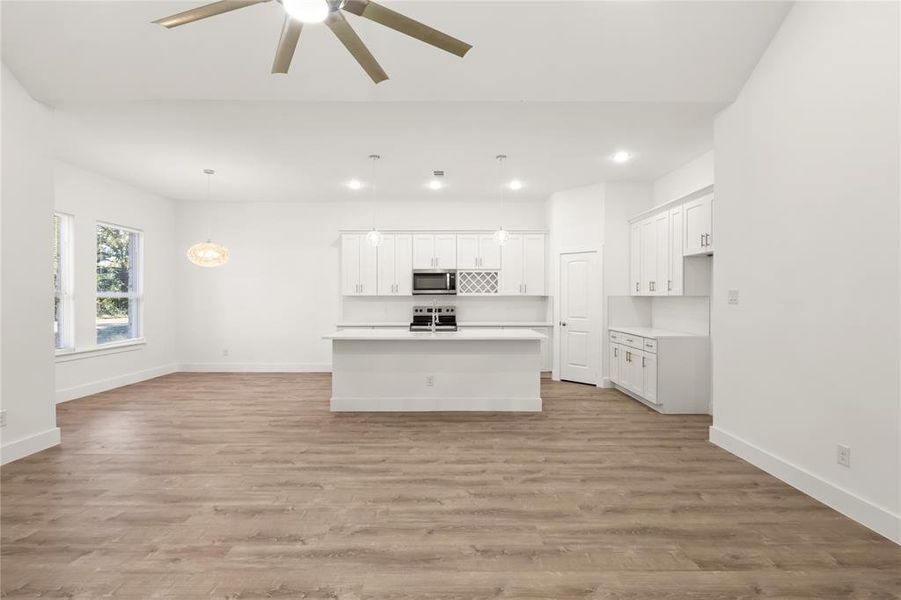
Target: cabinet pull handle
pixel 615 352
pixel 707 239
pixel 637 286
pixel 643 361
pixel 669 285
pixel 702 240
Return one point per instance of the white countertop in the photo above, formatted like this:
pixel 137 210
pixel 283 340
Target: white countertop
pixel 466 335
pixel 651 332
pixel 537 324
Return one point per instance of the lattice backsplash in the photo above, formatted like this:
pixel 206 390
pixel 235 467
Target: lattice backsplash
pixel 477 283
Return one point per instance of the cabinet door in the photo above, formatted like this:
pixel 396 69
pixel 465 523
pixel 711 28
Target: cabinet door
pixel 636 372
pixel 533 264
pixel 697 217
pixel 635 260
pixel 661 233
pixel 446 251
pixel 614 362
pixel 387 267
pixel 676 261
pixel 350 264
pixel 489 253
pixel 403 265
pixel 511 266
pixel 649 377
pixel 648 257
pixel 467 252
pixel 369 268
pixel 424 251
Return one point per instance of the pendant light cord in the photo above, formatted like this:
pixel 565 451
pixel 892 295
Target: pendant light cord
pixel 373 158
pixel 500 159
pixel 209 203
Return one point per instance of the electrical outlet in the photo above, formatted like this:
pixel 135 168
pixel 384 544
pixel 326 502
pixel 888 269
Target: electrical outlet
pixel 844 455
pixel 3 418
pixel 733 296
pixel 429 380
pixel 225 352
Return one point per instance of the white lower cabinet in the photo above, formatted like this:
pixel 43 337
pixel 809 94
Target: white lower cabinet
pixel 668 371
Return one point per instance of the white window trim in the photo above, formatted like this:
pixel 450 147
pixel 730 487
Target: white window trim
pixel 137 294
pixel 66 293
pixel 69 354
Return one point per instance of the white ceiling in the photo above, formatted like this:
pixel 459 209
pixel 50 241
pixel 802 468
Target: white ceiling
pixel 523 51
pixel 558 86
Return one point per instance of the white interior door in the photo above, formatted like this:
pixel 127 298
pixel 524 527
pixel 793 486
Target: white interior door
pixel 579 306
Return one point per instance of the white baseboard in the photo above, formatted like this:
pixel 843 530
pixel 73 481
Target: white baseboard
pixel 26 446
pixel 407 404
pixel 877 518
pixel 103 385
pixel 256 367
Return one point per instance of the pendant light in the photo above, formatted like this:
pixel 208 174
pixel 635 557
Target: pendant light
pixel 208 253
pixel 374 237
pixel 501 235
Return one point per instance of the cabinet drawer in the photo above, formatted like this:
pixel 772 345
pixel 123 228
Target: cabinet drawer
pixel 632 341
pixel 649 345
pixel 616 336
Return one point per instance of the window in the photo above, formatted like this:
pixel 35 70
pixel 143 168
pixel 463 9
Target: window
pixel 119 288
pixel 62 282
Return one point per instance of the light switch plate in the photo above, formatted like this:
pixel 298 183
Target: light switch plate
pixel 843 455
pixel 733 296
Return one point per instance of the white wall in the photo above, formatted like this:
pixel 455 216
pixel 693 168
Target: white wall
pixel 279 294
pixel 90 198
pixel 691 177
pixel 807 226
pixel 26 269
pixel 575 222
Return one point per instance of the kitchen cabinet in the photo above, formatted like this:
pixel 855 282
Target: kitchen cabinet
pixel 675 286
pixel 663 259
pixel 698 226
pixel 477 252
pixel 359 266
pixel 435 251
pixel 395 265
pixel 635 259
pixel 668 371
pixel 522 265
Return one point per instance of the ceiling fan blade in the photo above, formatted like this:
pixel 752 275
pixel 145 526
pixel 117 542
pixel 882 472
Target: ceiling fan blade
pixel 398 22
pixel 207 10
pixel 341 28
pixel 286 45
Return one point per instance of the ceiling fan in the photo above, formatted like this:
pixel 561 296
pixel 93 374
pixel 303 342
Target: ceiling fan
pixel 300 12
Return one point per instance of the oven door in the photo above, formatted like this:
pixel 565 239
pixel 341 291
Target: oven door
pixel 434 282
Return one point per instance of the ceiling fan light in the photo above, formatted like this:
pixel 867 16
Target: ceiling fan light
pixel 208 254
pixel 307 11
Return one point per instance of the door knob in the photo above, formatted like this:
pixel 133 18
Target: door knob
pixel 563 323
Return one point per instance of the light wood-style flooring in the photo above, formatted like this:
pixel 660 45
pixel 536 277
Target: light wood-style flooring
pixel 246 486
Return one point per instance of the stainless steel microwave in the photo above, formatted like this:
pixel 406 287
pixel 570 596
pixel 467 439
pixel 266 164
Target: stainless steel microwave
pixel 434 281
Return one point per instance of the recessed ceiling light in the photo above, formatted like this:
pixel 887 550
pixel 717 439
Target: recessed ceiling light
pixel 514 185
pixel 621 156
pixel 355 184
pixel 435 184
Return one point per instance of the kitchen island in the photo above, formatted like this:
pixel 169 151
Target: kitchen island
pixel 469 370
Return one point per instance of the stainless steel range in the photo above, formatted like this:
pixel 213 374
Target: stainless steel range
pixel 434 318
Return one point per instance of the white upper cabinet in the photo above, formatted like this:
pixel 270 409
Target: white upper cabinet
pixel 522 265
pixel 698 226
pixel 359 266
pixel 435 251
pixel 662 262
pixel 676 262
pixel 489 253
pixel 512 265
pixel 395 265
pixel 648 257
pixel 635 259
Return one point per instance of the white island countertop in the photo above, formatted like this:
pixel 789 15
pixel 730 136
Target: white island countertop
pixel 464 335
